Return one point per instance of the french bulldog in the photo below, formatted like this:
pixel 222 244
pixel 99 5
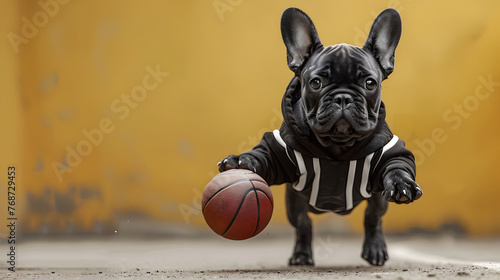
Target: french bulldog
pixel 334 148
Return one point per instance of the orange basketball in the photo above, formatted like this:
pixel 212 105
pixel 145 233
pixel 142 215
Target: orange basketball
pixel 237 204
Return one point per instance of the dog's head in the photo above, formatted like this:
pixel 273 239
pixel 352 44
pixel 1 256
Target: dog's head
pixel 340 84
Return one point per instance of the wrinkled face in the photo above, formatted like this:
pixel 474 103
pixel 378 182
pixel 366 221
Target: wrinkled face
pixel 340 83
pixel 341 94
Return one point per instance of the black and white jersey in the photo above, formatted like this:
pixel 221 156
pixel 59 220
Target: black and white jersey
pixel 335 185
pixel 291 155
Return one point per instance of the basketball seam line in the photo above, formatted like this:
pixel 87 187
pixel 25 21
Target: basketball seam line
pixel 237 211
pixel 258 208
pixel 221 189
pixel 265 195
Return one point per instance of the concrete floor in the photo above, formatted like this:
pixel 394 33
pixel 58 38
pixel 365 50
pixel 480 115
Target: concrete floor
pixel 263 257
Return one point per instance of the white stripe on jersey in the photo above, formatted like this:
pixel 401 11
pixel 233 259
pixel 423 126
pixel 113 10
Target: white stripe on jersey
pixel 278 138
pixel 315 185
pixel 387 146
pixel 364 178
pixel 349 186
pixel 301 183
pixel 391 144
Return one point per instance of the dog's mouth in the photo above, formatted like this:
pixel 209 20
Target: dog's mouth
pixel 342 129
pixel 338 126
pixel 341 132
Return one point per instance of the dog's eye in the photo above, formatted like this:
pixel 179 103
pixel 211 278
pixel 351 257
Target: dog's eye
pixel 315 83
pixel 370 84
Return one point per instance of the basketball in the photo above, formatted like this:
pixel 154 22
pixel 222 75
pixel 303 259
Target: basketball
pixel 237 204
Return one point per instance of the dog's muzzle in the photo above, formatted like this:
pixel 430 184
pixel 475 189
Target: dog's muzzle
pixel 336 117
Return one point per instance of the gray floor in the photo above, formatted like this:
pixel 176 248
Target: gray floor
pixel 263 257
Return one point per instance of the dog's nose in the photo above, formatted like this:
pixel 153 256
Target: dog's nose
pixel 343 99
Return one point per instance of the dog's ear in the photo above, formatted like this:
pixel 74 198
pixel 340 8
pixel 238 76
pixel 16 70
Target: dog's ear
pixel 300 38
pixel 384 38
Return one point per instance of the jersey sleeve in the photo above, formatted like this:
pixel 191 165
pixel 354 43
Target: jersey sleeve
pixel 271 153
pixel 397 157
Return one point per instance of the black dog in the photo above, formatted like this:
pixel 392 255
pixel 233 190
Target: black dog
pixel 334 148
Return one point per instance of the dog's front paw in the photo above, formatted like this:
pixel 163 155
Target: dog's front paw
pixel 374 251
pixel 239 162
pixel 399 187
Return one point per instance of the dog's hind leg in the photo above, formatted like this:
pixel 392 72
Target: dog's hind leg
pixel 374 249
pixel 296 209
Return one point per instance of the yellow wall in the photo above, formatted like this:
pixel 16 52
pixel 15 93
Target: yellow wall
pixel 11 117
pixel 156 139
